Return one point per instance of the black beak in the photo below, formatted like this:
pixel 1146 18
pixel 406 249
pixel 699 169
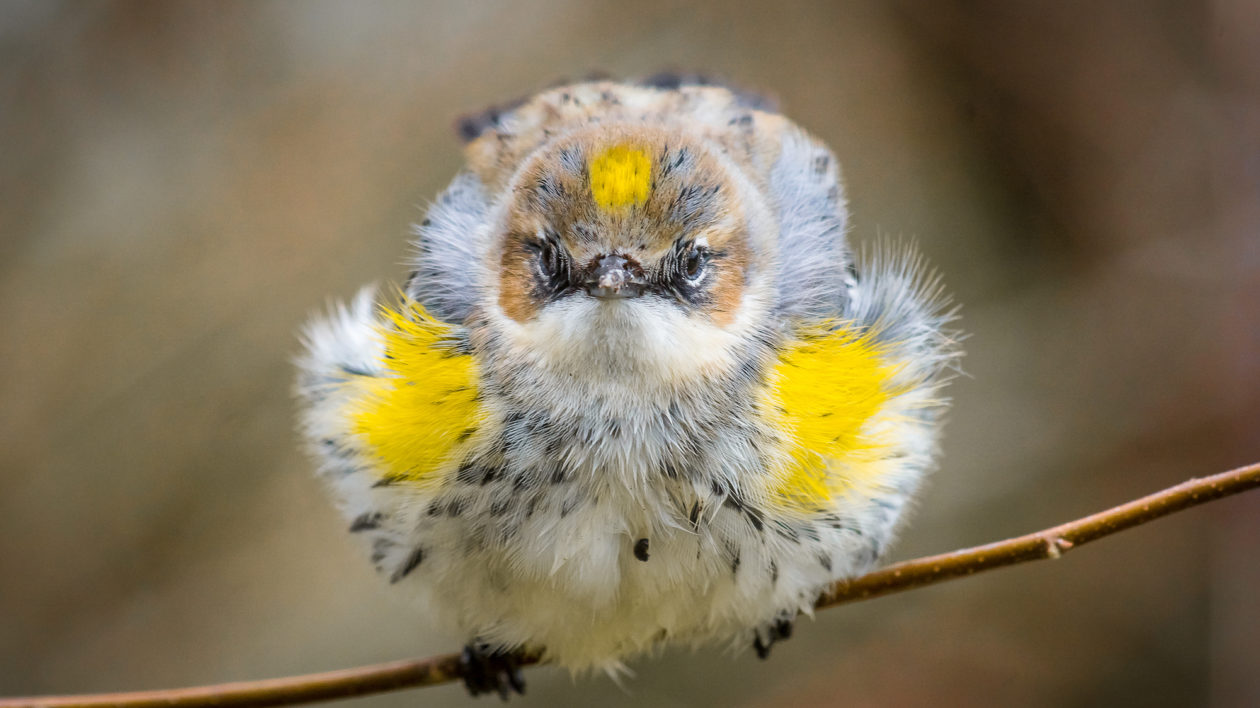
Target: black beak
pixel 614 277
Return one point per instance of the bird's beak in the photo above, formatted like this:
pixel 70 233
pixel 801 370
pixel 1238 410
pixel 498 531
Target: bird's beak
pixel 614 277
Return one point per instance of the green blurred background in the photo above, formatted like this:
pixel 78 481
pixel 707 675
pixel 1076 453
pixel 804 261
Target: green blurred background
pixel 182 183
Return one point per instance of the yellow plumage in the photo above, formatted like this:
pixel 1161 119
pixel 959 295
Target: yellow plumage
pixel 414 418
pixel 620 176
pixel 826 391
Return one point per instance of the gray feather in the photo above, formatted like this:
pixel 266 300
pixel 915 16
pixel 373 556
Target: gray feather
pixel 814 260
pixel 449 249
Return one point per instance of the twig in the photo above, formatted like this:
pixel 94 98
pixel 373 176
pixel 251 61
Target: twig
pixel 1050 543
pixel 309 688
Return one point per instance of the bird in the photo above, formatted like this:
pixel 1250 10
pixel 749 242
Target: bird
pixel 637 390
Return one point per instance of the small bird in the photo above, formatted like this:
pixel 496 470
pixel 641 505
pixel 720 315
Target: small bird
pixel 637 389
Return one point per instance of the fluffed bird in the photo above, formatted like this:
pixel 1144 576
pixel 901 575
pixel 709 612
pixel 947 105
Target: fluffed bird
pixel 637 390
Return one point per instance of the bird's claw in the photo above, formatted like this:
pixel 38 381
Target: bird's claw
pixel 776 631
pixel 487 670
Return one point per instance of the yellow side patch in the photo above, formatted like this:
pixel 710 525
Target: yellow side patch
pixel 828 387
pixel 414 418
pixel 620 176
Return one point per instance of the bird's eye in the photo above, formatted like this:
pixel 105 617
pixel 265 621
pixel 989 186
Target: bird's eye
pixel 693 264
pixel 551 262
pixel 549 259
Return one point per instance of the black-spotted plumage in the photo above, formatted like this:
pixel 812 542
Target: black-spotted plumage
pixel 633 274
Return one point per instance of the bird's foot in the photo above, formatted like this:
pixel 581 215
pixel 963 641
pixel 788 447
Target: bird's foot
pixel 487 670
pixel 776 631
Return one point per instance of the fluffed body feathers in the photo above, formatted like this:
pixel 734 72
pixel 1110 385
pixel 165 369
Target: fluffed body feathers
pixel 638 388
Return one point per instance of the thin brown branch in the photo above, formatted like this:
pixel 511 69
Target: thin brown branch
pixel 292 690
pixel 1050 543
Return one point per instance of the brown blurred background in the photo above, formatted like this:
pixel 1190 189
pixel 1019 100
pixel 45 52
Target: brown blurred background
pixel 181 184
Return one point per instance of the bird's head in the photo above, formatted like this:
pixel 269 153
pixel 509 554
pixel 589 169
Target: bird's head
pixel 629 247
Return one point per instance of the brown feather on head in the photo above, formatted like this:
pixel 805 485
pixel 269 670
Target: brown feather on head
pixel 621 210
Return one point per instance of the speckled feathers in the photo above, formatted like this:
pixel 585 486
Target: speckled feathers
pixel 588 424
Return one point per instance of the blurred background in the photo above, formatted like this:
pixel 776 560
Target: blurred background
pixel 181 184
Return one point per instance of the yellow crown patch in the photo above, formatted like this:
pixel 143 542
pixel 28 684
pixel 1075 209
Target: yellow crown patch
pixel 620 176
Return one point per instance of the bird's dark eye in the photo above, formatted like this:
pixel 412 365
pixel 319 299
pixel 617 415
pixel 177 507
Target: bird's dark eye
pixel 551 261
pixel 693 263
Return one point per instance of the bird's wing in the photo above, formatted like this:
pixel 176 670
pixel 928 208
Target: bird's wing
pixel 858 399
pixel 450 251
pixel 391 393
pixel 815 264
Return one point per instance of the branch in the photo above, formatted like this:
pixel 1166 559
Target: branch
pixel 1050 543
